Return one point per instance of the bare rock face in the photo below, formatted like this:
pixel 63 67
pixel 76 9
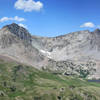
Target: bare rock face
pixel 20 32
pixel 79 47
pixel 15 42
pixel 76 53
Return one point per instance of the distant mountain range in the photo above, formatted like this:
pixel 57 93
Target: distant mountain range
pixel 76 53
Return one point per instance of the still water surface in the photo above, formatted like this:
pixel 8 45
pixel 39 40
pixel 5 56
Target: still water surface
pixel 98 81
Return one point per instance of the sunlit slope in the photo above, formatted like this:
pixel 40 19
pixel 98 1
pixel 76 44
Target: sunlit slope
pixel 20 82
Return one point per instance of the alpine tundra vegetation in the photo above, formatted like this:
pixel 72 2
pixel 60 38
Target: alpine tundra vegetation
pixel 49 49
pixel 29 69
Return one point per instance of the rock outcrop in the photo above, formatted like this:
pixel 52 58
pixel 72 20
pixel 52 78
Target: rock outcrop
pixel 76 53
pixel 79 47
pixel 15 42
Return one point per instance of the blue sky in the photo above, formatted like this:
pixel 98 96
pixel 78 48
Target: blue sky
pixel 51 17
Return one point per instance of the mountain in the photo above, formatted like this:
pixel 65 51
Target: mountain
pixel 16 43
pixel 48 68
pixel 76 53
pixel 80 46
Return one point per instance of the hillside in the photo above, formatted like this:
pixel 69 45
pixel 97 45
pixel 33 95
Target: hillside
pixel 79 48
pixel 21 82
pixel 76 53
pixel 15 42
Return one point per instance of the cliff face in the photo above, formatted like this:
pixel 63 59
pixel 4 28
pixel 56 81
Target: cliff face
pixel 80 48
pixel 80 45
pixel 15 42
pixel 76 53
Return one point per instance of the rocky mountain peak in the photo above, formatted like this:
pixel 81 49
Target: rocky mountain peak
pixel 66 53
pixel 11 27
pixel 17 30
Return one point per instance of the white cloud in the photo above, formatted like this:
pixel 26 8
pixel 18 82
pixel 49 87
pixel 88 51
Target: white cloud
pixel 28 5
pixel 22 25
pixel 88 24
pixel 19 19
pixel 16 18
pixel 5 19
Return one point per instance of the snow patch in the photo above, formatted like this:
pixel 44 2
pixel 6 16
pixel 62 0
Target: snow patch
pixel 46 53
